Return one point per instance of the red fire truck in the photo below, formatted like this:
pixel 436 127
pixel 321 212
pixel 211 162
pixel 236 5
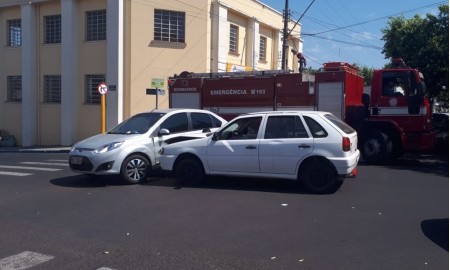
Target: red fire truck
pixel 393 118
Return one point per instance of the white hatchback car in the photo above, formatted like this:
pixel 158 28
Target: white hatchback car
pixel 131 148
pixel 313 147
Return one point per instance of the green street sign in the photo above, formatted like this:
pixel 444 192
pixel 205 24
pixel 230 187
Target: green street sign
pixel 157 83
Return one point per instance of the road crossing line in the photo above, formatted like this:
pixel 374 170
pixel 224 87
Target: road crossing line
pixel 24 260
pixel 30 168
pixel 45 163
pixel 15 174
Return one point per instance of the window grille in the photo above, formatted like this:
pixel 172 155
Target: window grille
pixel 14 88
pixel 262 48
pixel 234 35
pixel 52 29
pixel 96 25
pixel 169 26
pixel 91 94
pixel 14 33
pixel 52 89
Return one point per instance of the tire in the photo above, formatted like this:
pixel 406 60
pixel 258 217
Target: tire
pixel 189 171
pixel 320 178
pixel 135 169
pixel 377 148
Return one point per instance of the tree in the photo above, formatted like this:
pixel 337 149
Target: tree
pixel 423 44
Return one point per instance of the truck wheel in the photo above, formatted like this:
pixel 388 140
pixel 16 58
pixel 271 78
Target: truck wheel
pixel 319 177
pixel 189 171
pixel 377 147
pixel 135 169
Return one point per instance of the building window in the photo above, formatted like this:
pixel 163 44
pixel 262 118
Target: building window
pixel 52 89
pixel 169 26
pixel 234 37
pixel 91 94
pixel 14 88
pixel 52 29
pixel 262 48
pixel 14 33
pixel 96 25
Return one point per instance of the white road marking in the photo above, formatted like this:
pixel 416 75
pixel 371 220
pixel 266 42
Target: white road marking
pixel 15 174
pixel 24 260
pixel 105 268
pixel 45 163
pixel 29 168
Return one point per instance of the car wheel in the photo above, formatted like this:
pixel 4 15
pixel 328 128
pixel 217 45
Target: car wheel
pixel 189 171
pixel 135 169
pixel 319 177
pixel 377 147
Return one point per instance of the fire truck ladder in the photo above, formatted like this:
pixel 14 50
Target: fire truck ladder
pixel 234 74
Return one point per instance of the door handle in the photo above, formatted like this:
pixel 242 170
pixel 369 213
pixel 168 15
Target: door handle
pixel 250 147
pixel 304 146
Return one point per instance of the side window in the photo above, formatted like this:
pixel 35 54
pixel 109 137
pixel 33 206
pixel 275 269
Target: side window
pixel 316 129
pixel 201 121
pixel 176 123
pixel 241 129
pixel 282 127
pixel 216 122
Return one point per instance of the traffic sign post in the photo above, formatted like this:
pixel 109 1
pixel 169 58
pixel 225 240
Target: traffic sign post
pixel 156 90
pixel 102 90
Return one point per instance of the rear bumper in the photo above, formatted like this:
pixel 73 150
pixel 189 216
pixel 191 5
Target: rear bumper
pixel 346 166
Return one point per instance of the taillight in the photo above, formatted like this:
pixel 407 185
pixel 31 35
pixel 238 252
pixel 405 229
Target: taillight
pixel 346 144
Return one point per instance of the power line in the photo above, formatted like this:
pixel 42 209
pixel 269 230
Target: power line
pixel 377 19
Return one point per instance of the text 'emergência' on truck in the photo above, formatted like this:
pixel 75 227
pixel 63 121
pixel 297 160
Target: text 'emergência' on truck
pixel 392 119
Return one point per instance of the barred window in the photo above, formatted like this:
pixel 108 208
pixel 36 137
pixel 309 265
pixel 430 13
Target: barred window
pixel 262 48
pixel 52 88
pixel 14 33
pixel 169 26
pixel 52 29
pixel 14 88
pixel 91 94
pixel 234 37
pixel 96 25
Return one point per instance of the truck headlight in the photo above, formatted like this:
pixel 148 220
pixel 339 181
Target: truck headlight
pixel 108 147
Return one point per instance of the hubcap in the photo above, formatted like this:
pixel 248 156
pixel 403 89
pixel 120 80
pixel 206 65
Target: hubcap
pixel 136 169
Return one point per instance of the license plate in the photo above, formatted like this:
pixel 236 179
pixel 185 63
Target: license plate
pixel 76 160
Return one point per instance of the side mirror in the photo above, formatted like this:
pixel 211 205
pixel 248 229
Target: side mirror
pixel 163 131
pixel 420 86
pixel 365 100
pixel 206 130
pixel 215 137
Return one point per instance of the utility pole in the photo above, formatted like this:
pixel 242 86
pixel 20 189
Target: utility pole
pixel 285 36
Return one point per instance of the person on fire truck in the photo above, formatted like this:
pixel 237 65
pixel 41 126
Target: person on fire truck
pixel 301 60
pixel 392 89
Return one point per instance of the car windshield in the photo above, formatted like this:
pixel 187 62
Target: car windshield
pixel 137 124
pixel 340 124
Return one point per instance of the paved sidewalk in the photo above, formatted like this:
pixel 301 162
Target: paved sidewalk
pixel 36 149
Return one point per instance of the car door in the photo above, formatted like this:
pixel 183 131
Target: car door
pixel 236 148
pixel 285 142
pixel 177 124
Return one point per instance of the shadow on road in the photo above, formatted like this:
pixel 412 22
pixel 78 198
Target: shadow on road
pixel 85 181
pixel 426 163
pixel 437 231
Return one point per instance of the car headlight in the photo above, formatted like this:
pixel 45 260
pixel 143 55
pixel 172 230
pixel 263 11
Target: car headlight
pixel 108 147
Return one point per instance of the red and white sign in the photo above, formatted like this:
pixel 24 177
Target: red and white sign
pixel 102 88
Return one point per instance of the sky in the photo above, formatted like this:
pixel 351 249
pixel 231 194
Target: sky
pixel 349 30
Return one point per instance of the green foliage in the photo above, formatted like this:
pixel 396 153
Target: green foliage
pixel 423 44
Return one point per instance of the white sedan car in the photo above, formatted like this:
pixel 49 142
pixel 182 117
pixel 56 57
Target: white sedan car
pixel 313 147
pixel 131 148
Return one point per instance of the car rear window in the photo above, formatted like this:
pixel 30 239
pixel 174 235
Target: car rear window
pixel 339 123
pixel 316 129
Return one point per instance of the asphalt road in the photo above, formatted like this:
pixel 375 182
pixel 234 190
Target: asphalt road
pixel 389 217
